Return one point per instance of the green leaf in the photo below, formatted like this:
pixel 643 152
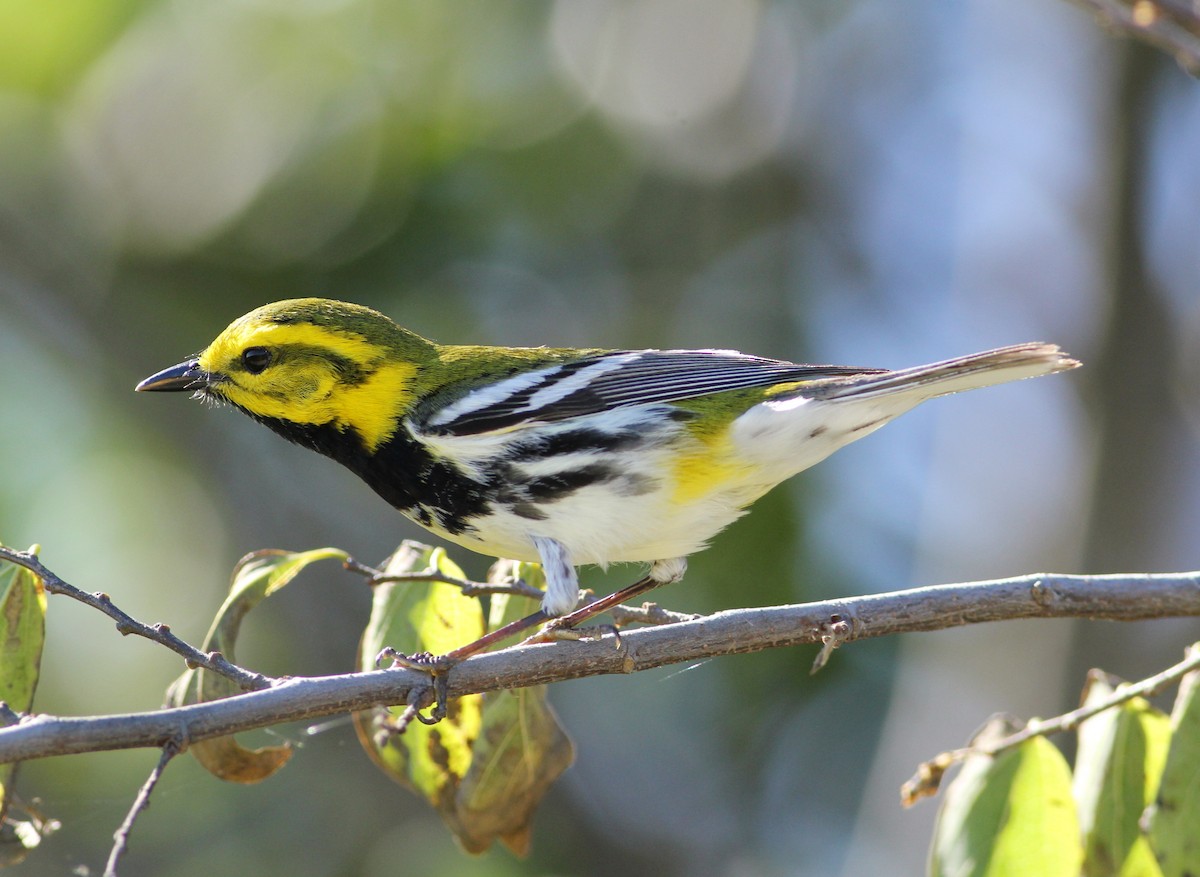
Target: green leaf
pixel 1008 816
pixel 23 614
pixel 1117 767
pixel 256 577
pixel 486 766
pixel 1173 820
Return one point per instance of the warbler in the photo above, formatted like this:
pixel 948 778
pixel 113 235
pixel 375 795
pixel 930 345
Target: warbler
pixel 559 455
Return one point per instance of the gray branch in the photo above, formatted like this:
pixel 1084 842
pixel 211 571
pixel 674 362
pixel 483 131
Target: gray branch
pixel 1113 598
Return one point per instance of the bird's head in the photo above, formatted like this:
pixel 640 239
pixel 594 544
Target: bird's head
pixel 309 363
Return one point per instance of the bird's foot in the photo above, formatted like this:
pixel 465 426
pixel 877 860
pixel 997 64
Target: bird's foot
pixel 437 666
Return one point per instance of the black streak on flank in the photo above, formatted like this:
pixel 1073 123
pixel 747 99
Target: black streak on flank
pixel 575 441
pixel 550 488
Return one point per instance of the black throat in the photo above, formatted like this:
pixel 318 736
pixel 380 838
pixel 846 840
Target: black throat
pixel 430 491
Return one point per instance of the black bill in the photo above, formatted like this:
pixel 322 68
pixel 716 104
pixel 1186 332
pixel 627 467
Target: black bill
pixel 185 376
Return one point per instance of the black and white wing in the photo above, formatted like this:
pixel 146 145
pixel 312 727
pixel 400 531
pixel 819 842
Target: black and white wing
pixel 616 379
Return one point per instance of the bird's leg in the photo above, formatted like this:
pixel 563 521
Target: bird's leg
pixel 562 595
pixel 662 572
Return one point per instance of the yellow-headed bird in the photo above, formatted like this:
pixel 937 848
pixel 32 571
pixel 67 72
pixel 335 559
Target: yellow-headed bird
pixel 559 455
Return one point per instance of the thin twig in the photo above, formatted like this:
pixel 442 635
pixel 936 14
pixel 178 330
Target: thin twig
pixel 929 774
pixel 1169 25
pixel 126 624
pixel 470 589
pixel 648 613
pixel 1116 598
pixel 1147 687
pixel 121 836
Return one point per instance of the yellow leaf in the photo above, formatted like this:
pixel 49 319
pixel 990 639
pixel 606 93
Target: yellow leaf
pixel 486 766
pixel 23 614
pixel 256 577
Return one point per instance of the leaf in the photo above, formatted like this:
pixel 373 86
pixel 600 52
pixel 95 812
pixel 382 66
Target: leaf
pixel 522 749
pixel 1173 821
pixel 1008 816
pixel 23 615
pixel 415 617
pixel 256 576
pixel 1117 768
pixel 486 766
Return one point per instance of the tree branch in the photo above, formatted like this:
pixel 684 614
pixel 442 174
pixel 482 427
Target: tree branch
pixel 1170 25
pixel 1115 598
pixel 140 803
pixel 127 624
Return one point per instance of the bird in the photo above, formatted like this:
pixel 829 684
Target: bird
pixel 555 455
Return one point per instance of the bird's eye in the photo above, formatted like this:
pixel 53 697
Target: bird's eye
pixel 255 359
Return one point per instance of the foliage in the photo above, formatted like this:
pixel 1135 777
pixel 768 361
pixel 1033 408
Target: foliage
pixel 1130 811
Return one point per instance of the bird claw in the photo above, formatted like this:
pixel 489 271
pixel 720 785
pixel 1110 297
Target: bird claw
pixel 437 666
pixel 424 662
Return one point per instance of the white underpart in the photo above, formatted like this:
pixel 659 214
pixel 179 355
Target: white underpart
pixel 492 394
pixel 783 438
pixel 597 524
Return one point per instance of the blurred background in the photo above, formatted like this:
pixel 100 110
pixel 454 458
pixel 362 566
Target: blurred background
pixel 875 183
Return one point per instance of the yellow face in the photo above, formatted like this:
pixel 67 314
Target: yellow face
pixel 278 362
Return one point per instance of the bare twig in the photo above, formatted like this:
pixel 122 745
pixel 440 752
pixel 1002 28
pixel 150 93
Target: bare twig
pixel 648 613
pixel 1069 721
pixel 1117 598
pixel 126 624
pixel 121 836
pixel 1170 25
pixel 929 774
pixel 470 589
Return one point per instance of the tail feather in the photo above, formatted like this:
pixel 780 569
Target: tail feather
pixel 970 372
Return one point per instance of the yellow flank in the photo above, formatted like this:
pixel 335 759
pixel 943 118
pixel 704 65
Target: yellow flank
pixel 306 388
pixel 705 470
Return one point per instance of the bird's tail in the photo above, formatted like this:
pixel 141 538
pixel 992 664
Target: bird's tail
pixel 971 372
